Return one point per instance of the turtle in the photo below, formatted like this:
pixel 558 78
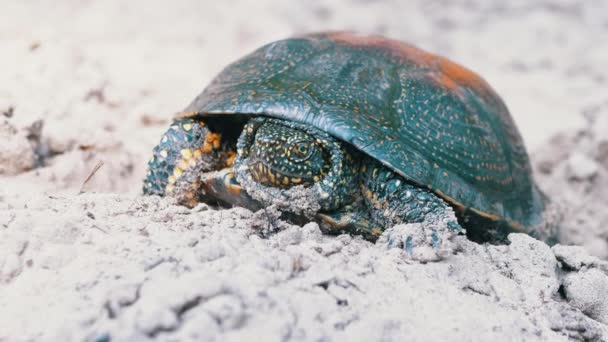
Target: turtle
pixel 358 133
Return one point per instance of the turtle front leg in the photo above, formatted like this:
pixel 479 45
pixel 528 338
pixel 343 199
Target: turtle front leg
pixel 392 201
pixel 186 151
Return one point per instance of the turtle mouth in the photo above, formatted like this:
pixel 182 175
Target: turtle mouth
pixel 221 187
pixel 270 176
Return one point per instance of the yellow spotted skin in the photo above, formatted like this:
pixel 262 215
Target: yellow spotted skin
pixel 284 154
pixel 283 157
pixel 357 194
pixel 187 149
pixel 395 200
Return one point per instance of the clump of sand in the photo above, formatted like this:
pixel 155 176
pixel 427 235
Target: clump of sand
pixel 117 267
pixel 573 169
pixel 18 149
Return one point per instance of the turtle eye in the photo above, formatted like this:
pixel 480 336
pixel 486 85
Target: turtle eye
pixel 302 150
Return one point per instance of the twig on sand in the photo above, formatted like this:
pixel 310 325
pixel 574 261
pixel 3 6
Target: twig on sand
pixel 9 112
pixel 90 176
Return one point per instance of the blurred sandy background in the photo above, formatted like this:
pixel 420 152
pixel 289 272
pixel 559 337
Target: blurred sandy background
pixel 107 75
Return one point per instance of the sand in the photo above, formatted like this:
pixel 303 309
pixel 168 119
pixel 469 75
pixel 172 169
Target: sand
pixel 90 82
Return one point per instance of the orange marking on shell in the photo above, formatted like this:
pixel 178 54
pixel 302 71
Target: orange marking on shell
pixel 450 74
pixel 462 75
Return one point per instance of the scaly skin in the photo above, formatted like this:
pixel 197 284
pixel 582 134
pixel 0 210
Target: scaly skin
pixel 188 149
pixel 357 194
pixel 393 200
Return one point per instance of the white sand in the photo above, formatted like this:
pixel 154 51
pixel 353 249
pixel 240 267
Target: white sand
pixel 105 77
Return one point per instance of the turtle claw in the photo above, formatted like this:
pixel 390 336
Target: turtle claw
pixel 454 226
pixel 420 241
pixel 403 242
pixel 435 240
pixel 392 242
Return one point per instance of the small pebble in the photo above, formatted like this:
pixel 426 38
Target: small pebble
pixel 581 167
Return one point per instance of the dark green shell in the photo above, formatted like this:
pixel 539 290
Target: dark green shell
pixel 427 118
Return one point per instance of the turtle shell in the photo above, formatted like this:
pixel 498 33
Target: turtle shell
pixel 431 120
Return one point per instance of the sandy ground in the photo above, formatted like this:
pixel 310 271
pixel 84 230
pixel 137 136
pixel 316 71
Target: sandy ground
pixel 85 82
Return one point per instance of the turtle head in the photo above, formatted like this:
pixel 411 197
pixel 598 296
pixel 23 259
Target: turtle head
pixel 283 157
